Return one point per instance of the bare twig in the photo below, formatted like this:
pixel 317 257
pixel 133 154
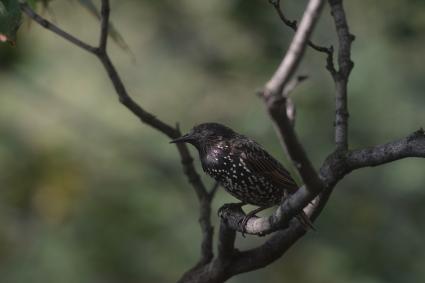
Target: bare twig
pixel 146 117
pixel 291 110
pixel 329 51
pixel 312 197
pixel 289 88
pixel 296 50
pixel 104 26
pixel 275 102
pixel 345 39
pixel 53 28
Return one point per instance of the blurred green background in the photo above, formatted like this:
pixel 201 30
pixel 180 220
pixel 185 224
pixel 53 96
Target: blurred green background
pixel 89 194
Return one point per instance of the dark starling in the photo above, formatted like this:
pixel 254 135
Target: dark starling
pixel 242 167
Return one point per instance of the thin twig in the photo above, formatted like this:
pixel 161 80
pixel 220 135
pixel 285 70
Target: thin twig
pixel 329 51
pixel 229 261
pixel 146 117
pixel 104 26
pixel 53 28
pixel 296 50
pixel 291 110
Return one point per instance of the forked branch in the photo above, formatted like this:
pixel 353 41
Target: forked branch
pixel 313 196
pixel 100 52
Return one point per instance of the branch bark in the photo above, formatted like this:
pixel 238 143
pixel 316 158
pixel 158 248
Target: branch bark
pixel 410 146
pixel 329 51
pixel 296 50
pixel 275 102
pixel 345 64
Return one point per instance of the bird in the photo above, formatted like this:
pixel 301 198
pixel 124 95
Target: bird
pixel 243 167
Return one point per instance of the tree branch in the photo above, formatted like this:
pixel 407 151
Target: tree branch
pixel 329 51
pixel 233 215
pixel 345 39
pixel 410 146
pixel 312 197
pixel 104 26
pixel 270 251
pixel 53 28
pixel 144 116
pixel 275 102
pixel 296 50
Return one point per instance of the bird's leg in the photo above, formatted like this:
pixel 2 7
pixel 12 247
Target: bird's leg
pixel 230 206
pixel 248 216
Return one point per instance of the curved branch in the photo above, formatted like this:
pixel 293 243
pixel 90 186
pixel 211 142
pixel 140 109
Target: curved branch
pixel 233 215
pixel 55 29
pixel 296 50
pixel 334 169
pixel 410 146
pixel 278 243
pixel 275 102
pixel 187 161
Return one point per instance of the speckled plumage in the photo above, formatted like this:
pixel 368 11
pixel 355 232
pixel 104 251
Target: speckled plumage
pixel 240 165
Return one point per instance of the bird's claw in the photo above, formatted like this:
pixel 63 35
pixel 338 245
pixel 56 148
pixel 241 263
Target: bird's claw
pixel 229 206
pixel 243 223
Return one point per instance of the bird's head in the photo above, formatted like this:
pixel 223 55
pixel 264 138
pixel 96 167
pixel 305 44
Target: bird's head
pixel 206 133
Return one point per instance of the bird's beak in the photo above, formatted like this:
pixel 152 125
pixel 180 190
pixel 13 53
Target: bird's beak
pixel 185 138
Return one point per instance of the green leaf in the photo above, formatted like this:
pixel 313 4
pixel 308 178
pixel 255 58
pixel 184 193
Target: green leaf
pixel 10 20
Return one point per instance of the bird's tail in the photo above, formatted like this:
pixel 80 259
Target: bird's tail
pixel 305 221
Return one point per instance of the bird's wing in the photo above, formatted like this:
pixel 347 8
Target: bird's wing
pixel 260 162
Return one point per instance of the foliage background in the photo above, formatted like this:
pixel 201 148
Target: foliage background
pixel 88 194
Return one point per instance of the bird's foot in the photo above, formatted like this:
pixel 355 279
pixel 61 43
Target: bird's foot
pixel 242 224
pixel 229 206
pixel 248 216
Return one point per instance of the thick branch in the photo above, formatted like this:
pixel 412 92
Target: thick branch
pixel 267 253
pixel 411 146
pixel 296 50
pixel 233 215
pixel 275 103
pixel 226 241
pixel 334 169
pixel 345 39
